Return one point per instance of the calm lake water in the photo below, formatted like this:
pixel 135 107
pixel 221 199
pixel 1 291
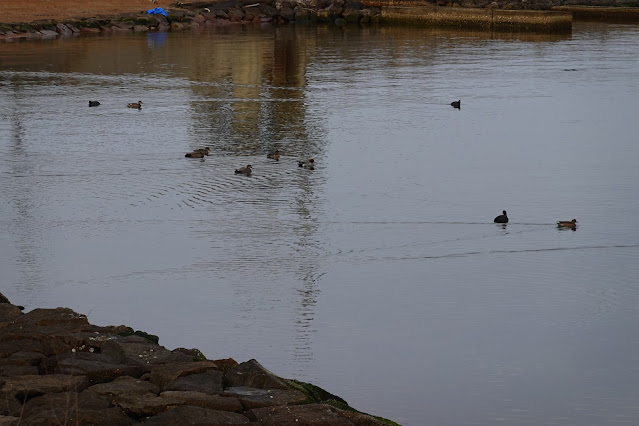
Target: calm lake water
pixel 379 275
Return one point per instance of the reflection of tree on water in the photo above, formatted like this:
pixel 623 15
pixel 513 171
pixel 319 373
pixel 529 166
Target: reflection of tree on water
pixel 252 101
pixel 309 271
pixel 252 92
pixel 23 221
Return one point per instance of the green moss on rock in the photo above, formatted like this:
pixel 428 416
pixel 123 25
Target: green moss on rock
pixel 315 394
pixel 86 24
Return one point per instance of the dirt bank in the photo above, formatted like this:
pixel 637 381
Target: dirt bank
pixel 37 10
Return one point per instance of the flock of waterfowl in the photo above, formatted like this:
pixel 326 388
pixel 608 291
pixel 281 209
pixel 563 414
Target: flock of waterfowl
pixel 310 164
pixel 248 169
pixel 503 218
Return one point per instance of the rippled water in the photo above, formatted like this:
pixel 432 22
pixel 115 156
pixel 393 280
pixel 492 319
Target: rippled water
pixel 379 275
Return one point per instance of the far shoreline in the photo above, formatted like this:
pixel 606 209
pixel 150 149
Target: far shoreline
pixel 490 16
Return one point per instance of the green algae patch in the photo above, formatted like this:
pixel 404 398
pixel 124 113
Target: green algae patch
pixel 86 24
pixel 124 331
pixel 315 394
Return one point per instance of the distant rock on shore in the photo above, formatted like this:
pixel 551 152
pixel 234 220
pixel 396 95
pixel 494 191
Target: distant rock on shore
pixel 56 368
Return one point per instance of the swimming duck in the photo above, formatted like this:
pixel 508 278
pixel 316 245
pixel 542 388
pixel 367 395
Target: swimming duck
pixel 244 170
pixel 502 218
pixel 567 224
pixel 275 155
pixel 205 150
pixel 93 103
pixel 456 104
pixel 195 154
pixel 309 164
pixel 137 105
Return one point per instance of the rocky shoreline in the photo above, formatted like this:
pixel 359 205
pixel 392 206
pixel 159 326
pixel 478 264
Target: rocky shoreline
pixel 56 368
pixel 335 12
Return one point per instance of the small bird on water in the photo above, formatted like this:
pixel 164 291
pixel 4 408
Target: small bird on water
pixel 502 218
pixel 275 155
pixel 93 103
pixel 244 170
pixel 310 164
pixel 199 153
pixel 456 104
pixel 567 224
pixel 137 105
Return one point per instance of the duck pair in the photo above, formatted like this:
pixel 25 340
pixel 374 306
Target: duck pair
pixel 137 104
pixel 310 164
pixel 199 153
pixel 503 218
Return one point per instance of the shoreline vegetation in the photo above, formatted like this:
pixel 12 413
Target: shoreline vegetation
pixel 57 368
pixel 542 16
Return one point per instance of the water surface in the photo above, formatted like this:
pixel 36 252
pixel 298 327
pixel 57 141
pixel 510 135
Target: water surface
pixel 379 275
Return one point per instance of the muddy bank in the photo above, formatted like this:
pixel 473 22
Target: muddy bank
pixel 56 368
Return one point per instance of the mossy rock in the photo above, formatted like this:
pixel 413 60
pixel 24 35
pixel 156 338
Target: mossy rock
pixel 138 20
pixel 341 22
pixel 25 28
pixel 124 331
pixel 3 298
pixel 144 21
pixel 197 354
pixel 86 24
pixel 315 394
pixel 48 26
pixel 151 338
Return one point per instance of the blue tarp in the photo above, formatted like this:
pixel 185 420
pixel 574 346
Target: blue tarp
pixel 157 11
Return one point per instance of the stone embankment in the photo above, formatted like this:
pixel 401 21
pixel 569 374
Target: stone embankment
pixel 56 368
pixel 500 15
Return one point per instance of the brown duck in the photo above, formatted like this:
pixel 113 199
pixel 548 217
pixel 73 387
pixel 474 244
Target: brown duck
pixel 195 154
pixel 275 155
pixel 567 224
pixel 199 153
pixel 244 170
pixel 137 105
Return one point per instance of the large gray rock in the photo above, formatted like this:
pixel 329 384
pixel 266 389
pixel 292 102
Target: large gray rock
pixel 164 375
pixel 208 382
pixel 135 350
pixel 29 386
pixel 256 398
pixel 8 312
pixel 97 367
pixel 310 414
pixel 143 405
pixel 252 374
pixel 189 415
pixel 124 386
pixel 203 400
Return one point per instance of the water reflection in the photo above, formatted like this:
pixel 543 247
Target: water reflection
pixel 24 198
pixel 385 251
